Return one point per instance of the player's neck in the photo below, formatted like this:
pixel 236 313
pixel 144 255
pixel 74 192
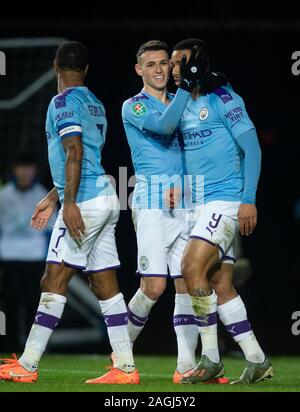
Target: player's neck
pixel 196 93
pixel 67 81
pixel 159 94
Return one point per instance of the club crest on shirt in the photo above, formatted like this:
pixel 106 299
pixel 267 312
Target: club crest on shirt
pixel 139 109
pixel 203 115
pixel 144 262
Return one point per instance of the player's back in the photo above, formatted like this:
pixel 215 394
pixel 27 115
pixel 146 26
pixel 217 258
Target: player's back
pixel 77 112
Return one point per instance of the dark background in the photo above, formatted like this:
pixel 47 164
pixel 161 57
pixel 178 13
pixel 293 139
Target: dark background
pixel 253 46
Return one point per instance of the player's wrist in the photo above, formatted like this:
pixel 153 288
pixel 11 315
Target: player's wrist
pixel 52 196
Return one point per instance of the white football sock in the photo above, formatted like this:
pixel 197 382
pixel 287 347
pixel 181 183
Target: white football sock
pixel 186 332
pixel 205 310
pixel 233 315
pixel 115 316
pixel 138 311
pixel 48 315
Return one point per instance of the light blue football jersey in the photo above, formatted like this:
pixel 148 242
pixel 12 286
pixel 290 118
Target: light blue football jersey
pixel 209 126
pixel 157 159
pixel 78 112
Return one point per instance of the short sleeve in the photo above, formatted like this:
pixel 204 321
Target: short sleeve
pixel 65 113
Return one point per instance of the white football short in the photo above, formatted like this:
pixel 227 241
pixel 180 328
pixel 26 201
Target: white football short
pixel 161 238
pixel 217 223
pixel 97 250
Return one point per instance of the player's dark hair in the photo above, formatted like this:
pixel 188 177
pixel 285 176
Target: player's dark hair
pixel 152 45
pixel 188 44
pixel 72 55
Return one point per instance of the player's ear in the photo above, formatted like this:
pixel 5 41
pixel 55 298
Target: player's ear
pixel 86 69
pixel 55 66
pixel 138 69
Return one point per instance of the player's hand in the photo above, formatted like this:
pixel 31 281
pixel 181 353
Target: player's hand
pixel 192 70
pixel 42 213
pixel 73 220
pixel 172 197
pixel 247 217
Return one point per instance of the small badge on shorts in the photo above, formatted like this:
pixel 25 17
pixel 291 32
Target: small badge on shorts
pixel 144 262
pixel 203 115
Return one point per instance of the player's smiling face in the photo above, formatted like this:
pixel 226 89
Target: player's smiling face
pixel 154 68
pixel 176 60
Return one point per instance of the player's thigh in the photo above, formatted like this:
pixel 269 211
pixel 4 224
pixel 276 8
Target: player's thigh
pixel 175 254
pixel 198 257
pixel 152 251
pixel 103 255
pixel 215 227
pixel 63 248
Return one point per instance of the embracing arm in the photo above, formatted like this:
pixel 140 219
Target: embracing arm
pixel 165 123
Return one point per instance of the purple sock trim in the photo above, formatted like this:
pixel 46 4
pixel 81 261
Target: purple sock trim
pixel 183 320
pixel 48 321
pixel 208 320
pixel 237 328
pixel 119 319
pixel 135 319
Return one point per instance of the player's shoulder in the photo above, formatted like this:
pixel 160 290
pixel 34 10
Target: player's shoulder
pixel 224 95
pixel 70 96
pixel 139 98
pixel 136 105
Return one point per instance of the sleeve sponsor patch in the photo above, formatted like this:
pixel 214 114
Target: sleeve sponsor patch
pixel 139 109
pixel 234 115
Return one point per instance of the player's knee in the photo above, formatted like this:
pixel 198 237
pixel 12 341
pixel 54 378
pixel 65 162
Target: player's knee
pixel 190 268
pixel 154 289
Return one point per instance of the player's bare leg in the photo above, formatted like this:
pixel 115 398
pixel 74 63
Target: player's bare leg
pixel 105 286
pixel 54 285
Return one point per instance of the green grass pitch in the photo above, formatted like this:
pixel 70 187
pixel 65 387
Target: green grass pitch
pixel 67 373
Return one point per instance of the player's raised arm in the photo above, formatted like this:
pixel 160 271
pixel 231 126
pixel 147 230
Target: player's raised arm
pixel 71 212
pixel 165 123
pixel 44 210
pixel 153 66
